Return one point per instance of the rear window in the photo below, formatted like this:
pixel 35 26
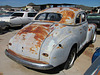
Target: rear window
pixel 49 16
pixel 17 14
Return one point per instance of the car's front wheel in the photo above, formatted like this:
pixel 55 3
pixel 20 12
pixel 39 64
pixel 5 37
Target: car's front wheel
pixel 71 58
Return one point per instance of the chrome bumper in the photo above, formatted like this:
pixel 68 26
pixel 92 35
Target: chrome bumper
pixel 28 63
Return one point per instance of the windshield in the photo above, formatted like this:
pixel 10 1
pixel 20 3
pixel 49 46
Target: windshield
pixel 49 16
pixel 18 14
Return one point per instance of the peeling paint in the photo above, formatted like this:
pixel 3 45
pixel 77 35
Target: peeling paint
pixel 32 49
pixel 68 17
pixel 40 31
pixel 75 9
pixel 26 58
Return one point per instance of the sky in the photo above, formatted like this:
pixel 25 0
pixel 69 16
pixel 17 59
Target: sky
pixel 18 3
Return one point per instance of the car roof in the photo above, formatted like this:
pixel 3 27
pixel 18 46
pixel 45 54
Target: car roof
pixel 70 13
pixel 56 9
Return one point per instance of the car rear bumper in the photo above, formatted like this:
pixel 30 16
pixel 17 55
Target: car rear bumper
pixel 28 63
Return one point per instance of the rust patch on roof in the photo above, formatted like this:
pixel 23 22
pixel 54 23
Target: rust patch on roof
pixel 61 8
pixel 26 58
pixel 67 15
pixel 75 9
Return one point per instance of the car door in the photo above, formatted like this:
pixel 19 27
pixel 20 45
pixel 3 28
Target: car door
pixel 84 28
pixel 16 19
pixel 81 30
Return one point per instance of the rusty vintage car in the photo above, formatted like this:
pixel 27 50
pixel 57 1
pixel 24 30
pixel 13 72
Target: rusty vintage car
pixel 54 37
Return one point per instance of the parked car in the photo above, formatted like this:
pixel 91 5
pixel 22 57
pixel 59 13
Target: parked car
pixel 18 18
pixel 96 54
pixel 54 37
pixel 94 18
pixel 3 25
pixel 94 69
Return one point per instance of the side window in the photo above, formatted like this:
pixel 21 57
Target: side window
pixel 31 14
pixel 41 17
pixel 54 17
pixel 78 18
pixel 18 14
pixel 83 17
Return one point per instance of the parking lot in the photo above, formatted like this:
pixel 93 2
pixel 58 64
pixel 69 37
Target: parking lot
pixel 9 67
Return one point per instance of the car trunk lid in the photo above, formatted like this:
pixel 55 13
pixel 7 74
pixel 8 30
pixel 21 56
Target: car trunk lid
pixel 27 42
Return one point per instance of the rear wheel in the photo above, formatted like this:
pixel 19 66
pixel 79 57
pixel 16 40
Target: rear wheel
pixel 71 58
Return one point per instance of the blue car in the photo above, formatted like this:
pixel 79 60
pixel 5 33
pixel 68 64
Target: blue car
pixel 94 69
pixel 96 54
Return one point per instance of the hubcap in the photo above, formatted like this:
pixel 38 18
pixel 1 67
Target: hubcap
pixel 72 58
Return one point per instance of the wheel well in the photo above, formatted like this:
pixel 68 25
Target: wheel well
pixel 75 45
pixel 67 65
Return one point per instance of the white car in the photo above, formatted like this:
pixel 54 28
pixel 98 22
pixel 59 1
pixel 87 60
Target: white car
pixel 19 18
pixel 54 37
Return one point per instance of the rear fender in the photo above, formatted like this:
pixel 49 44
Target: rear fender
pixel 60 53
pixel 91 31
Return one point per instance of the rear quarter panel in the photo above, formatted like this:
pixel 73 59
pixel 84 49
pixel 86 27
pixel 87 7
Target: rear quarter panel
pixel 91 30
pixel 58 45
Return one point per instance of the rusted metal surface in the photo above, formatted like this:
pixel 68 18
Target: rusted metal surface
pixel 28 59
pixel 40 31
pixel 30 38
pixel 51 41
pixel 68 14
